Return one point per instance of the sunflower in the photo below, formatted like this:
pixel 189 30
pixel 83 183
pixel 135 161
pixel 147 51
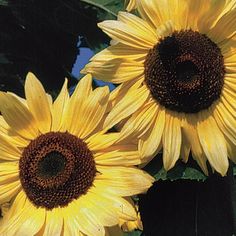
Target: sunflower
pixel 59 169
pixel 183 54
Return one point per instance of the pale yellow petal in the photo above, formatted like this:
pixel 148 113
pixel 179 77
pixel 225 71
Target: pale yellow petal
pixel 118 155
pixel 213 142
pixel 131 5
pixel 38 102
pixel 126 106
pixel 225 121
pixel 128 34
pixel 9 191
pixel 102 208
pixel 140 122
pixel 18 116
pixel 8 151
pixel 7 132
pixel 150 143
pixel 34 221
pixel 213 10
pixel 171 140
pixel 87 222
pixel 58 108
pixel 139 25
pixel 231 149
pixel 123 208
pixel 16 215
pixel 9 172
pixel 91 113
pixel 123 181
pixel 54 222
pixel 115 70
pixel 226 22
pixel 189 131
pixel 101 141
pixel 80 94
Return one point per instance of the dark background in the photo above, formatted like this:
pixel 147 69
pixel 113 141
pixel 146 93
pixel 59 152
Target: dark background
pixel 42 36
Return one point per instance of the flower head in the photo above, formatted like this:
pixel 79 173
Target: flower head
pixel 179 61
pixel 58 164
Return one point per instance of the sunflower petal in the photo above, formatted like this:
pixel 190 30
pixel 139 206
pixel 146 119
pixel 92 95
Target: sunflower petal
pixel 58 108
pixel 36 100
pixel 150 143
pixel 81 93
pixel 213 143
pixel 128 34
pixel 123 154
pixel 171 140
pixel 53 218
pixel 91 113
pixel 18 116
pixel 123 181
pixel 126 106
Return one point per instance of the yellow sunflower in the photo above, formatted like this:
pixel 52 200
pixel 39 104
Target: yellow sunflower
pixel 59 169
pixel 183 54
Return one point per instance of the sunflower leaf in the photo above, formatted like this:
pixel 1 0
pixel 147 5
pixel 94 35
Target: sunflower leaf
pixel 107 9
pixel 134 233
pixel 181 171
pixel 3 3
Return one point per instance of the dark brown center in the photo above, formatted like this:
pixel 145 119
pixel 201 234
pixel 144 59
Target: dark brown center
pixel 55 169
pixel 185 72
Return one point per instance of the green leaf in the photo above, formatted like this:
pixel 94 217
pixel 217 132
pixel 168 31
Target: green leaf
pixel 134 233
pixel 3 3
pixel 107 9
pixel 181 171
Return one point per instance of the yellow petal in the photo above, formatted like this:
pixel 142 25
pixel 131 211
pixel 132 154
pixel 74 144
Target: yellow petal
pixel 213 142
pixel 126 106
pixel 9 191
pixel 138 24
pixel 189 130
pixel 38 102
pixel 149 144
pixel 226 22
pixel 34 221
pixel 123 181
pixel 128 34
pixel 213 9
pixel 18 116
pixel 101 141
pixel 102 208
pixel 140 122
pixel 87 222
pixel 80 94
pixel 16 215
pixel 123 208
pixel 9 172
pixel 7 132
pixel 115 70
pixel 116 155
pixel 8 151
pixel 58 108
pixel 54 222
pixel 171 140
pixel 91 113
pixel 225 121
